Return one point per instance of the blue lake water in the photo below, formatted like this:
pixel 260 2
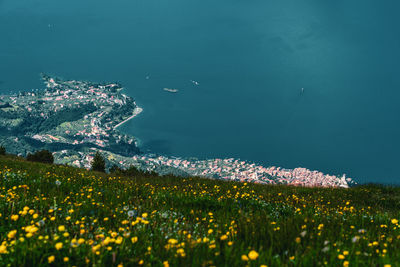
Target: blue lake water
pixel 251 59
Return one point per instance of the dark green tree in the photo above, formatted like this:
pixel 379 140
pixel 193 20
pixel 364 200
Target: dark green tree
pixel 98 163
pixel 114 169
pixel 2 150
pixel 43 156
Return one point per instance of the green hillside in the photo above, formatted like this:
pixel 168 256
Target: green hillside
pixel 58 215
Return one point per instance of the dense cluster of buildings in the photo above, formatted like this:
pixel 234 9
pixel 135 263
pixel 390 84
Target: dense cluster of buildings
pixel 228 169
pixel 86 113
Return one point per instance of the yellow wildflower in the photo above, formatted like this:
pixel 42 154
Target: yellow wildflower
pixel 253 255
pixel 59 245
pixel 12 234
pixel 51 259
pixel 3 249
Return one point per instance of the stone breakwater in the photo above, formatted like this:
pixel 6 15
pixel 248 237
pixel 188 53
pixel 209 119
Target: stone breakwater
pixel 136 112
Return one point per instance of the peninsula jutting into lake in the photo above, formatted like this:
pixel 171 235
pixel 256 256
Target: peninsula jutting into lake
pixel 74 119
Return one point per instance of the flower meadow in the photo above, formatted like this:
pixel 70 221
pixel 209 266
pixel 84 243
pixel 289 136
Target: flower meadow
pixel 62 216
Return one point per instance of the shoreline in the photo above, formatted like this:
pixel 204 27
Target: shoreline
pixel 136 112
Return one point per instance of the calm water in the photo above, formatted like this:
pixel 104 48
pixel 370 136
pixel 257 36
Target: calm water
pixel 251 59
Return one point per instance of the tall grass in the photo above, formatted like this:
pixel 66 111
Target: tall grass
pixel 59 215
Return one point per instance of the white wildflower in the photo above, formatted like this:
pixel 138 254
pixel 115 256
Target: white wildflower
pixel 325 249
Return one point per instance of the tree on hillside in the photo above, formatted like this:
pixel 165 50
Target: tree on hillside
pixel 132 171
pixel 2 150
pixel 114 169
pixel 98 163
pixel 43 156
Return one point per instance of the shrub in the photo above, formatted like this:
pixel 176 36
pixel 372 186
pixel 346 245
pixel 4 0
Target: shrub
pixel 114 169
pixel 2 150
pixel 98 163
pixel 43 156
pixel 132 171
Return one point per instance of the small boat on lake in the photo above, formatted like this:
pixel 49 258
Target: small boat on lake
pixel 171 90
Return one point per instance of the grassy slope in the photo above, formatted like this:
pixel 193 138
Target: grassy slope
pixel 182 221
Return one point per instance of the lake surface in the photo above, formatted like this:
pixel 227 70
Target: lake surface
pixel 251 59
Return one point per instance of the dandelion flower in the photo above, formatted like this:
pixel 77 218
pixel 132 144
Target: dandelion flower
pixel 51 259
pixel 224 237
pixel 3 249
pixel 253 255
pixel 12 234
pixel 59 245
